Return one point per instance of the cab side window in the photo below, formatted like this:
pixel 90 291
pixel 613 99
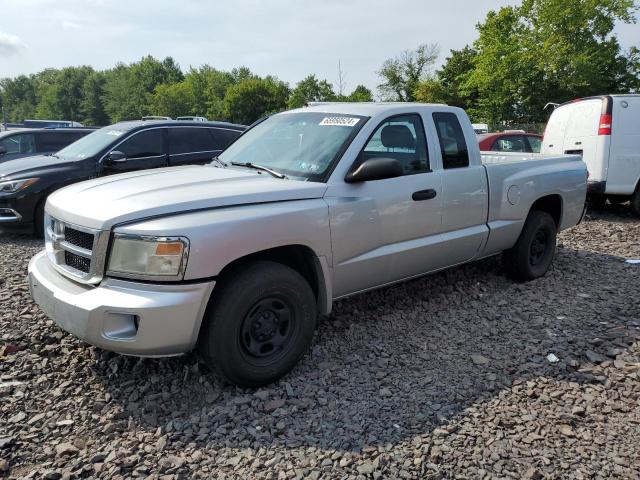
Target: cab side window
pixel 452 143
pixel 402 138
pixel 148 143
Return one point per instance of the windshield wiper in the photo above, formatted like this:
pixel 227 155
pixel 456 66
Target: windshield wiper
pixel 255 166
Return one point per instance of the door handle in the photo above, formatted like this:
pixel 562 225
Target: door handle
pixel 424 195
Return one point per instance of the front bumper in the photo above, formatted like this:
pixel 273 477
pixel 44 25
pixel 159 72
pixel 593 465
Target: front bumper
pixel 17 210
pixel 122 316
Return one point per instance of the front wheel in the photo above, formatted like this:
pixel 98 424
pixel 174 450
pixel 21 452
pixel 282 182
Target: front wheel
pixel 260 323
pixel 533 253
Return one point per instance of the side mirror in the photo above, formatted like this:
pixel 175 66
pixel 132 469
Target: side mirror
pixel 2 150
pixel 116 157
pixel 376 168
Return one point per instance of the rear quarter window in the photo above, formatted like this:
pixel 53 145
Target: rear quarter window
pixel 453 146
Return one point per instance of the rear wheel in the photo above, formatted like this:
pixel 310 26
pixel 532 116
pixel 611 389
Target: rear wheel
pixel 597 201
pixel 533 253
pixel 617 200
pixel 261 322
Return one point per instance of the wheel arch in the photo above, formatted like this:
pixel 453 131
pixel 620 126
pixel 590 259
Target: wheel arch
pixel 302 259
pixel 551 204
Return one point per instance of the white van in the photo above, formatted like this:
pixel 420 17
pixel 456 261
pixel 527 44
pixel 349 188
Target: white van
pixel 605 130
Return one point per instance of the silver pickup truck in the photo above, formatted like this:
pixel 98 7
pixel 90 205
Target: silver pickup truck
pixel 239 257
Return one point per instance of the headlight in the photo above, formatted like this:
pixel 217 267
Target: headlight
pixel 13 186
pixel 148 258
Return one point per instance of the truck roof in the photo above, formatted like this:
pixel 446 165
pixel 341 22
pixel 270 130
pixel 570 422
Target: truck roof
pixel 368 109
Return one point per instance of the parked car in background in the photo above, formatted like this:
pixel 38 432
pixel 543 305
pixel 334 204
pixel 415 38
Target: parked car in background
pixel 27 182
pixel 480 128
pixel 605 131
pixel 510 141
pixel 26 142
pixel 308 206
pixel 194 119
pixel 50 124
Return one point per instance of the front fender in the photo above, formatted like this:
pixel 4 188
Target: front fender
pixel 220 236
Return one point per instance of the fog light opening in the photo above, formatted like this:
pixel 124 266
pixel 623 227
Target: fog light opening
pixel 120 326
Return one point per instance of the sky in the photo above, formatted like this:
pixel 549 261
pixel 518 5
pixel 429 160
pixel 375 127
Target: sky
pixel 285 38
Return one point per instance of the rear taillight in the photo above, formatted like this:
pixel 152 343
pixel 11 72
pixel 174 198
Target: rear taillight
pixel 604 128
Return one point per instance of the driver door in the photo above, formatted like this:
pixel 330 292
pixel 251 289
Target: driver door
pixel 142 150
pixel 386 230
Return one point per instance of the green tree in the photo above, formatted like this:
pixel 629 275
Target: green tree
pixel 360 94
pixel 250 99
pixel 19 97
pixel 432 90
pixel 402 74
pixel 633 70
pixel 128 88
pixel 61 93
pixel 547 50
pixel 209 86
pixel 92 107
pixel 310 89
pixel 172 100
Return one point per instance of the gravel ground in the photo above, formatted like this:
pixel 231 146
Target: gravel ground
pixel 444 377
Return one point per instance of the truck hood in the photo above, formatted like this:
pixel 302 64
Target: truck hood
pixel 108 201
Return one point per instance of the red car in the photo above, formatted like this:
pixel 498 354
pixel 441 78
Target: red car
pixel 510 142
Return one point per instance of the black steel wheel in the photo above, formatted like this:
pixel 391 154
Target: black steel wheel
pixel 260 322
pixel 267 329
pixel 538 248
pixel 533 253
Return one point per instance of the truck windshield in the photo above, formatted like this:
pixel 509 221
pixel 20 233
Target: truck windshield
pixel 301 145
pixel 91 144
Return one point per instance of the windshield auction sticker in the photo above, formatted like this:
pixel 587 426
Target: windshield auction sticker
pixel 340 121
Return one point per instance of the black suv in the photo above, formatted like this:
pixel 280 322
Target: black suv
pixel 32 141
pixel 123 147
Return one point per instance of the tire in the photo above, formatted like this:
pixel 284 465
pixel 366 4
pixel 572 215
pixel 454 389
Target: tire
pixel 635 201
pixel 261 321
pixel 38 220
pixel 617 200
pixel 533 253
pixel 597 201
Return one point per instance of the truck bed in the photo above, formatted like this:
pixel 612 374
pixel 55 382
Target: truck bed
pixel 490 158
pixel 516 179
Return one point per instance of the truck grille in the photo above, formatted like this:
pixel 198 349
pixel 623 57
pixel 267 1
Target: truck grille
pixel 78 238
pixel 76 261
pixel 77 252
